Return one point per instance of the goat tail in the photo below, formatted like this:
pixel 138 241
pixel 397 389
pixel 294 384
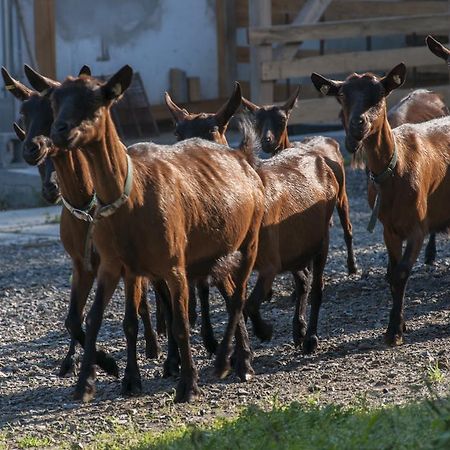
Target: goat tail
pixel 250 145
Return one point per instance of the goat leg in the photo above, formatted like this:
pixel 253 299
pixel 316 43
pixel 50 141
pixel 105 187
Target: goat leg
pixel 151 340
pixel 107 282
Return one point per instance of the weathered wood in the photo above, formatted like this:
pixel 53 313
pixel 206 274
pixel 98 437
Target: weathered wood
pixel 326 109
pixel 357 9
pixel 260 15
pixel 380 26
pixel 44 36
pixel 226 45
pixel 178 85
pixel 311 12
pixel 347 62
pixel 194 89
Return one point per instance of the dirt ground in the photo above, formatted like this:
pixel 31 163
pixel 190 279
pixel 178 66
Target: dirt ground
pixel 351 365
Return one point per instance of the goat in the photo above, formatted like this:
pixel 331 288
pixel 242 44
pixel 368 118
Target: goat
pixel 409 180
pixel 76 189
pixel 169 213
pixel 212 127
pixel 271 123
pixel 300 194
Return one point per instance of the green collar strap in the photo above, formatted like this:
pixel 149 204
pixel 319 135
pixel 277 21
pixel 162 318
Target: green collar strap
pixel 388 172
pixel 105 211
pixel 82 214
pixel 377 180
pixel 111 208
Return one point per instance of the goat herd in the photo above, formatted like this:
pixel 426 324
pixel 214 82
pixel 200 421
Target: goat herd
pixel 187 215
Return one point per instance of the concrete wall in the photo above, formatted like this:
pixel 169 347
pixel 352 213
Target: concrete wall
pixel 150 35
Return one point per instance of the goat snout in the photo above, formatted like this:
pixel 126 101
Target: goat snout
pixel 32 152
pixel 357 127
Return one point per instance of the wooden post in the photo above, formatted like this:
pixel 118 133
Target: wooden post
pixel 226 45
pixel 44 36
pixel 260 15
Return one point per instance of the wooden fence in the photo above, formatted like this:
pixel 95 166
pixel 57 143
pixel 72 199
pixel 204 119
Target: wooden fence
pixel 274 54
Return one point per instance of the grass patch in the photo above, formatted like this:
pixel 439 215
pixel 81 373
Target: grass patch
pixel 423 425
pixel 33 442
pixel 434 373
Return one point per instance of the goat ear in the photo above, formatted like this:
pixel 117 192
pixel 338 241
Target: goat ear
pixel 19 132
pixel 227 110
pixel 324 85
pixel 19 90
pixel 85 70
pixel 38 81
pixel 437 48
pixel 178 114
pixel 249 105
pixel 394 79
pixel 291 102
pixel 118 83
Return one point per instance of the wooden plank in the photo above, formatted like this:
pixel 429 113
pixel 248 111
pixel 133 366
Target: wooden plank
pixel 347 62
pixel 178 85
pixel 311 12
pixel 44 36
pixel 226 45
pixel 194 89
pixel 356 9
pixel 260 15
pixel 326 109
pixel 381 26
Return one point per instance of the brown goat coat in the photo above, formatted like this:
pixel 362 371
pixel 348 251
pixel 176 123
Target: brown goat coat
pixel 190 205
pixel 414 198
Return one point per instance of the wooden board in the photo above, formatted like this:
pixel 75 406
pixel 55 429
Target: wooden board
pixel 348 62
pixel 357 9
pixel 380 26
pixel 44 37
pixel 226 45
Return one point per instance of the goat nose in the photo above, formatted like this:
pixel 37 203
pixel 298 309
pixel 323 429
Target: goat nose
pixel 60 127
pixel 267 139
pixel 357 122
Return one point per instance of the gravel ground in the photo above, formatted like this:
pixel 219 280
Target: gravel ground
pixel 351 365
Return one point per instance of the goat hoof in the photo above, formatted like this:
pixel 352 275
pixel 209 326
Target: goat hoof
pixel 243 369
pixel 85 392
pixel 67 366
pixel 263 330
pixel 152 349
pixel 131 385
pixel 352 268
pixel 107 363
pixel 222 368
pixel 171 367
pixel 298 334
pixel 187 390
pixel 310 344
pixel 393 340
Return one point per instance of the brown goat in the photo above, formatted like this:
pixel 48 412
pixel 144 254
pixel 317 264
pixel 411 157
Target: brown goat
pixel 169 213
pixel 271 124
pixel 418 106
pixel 77 191
pixel 300 194
pixel 212 127
pixel 410 181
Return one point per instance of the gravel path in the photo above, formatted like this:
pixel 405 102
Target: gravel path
pixel 351 365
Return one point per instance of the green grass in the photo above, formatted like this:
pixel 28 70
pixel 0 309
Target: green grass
pixel 434 373
pixel 33 442
pixel 418 426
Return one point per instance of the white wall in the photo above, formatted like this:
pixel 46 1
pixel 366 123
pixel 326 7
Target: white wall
pixel 150 35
